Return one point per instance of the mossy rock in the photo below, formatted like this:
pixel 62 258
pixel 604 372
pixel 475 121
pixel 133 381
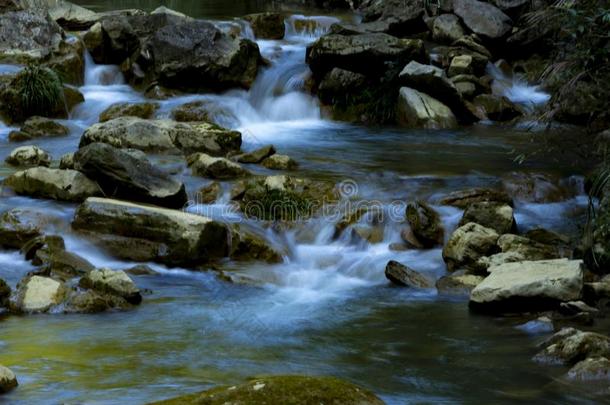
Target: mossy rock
pixel 284 198
pixel 285 390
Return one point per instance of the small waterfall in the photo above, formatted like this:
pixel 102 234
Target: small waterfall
pixel 104 86
pixel 517 89
pixel 311 27
pixel 101 75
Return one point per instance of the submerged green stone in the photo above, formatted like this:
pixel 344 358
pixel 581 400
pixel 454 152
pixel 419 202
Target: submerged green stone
pixel 285 390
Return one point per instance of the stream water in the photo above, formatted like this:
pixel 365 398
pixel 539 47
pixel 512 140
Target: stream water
pixel 328 309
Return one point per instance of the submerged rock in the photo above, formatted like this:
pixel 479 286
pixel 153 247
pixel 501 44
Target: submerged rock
pixel 56 184
pixel 590 369
pixel 29 155
pixel 209 194
pixel 419 110
pixel 267 25
pixel 112 282
pixel 483 18
pixel 8 381
pixel 570 346
pixel 529 286
pixel 140 110
pixel 467 244
pixel 400 274
pixel 283 390
pixel 147 233
pixel 425 224
pixel 280 162
pixel 256 156
pixel 215 167
pixel 458 283
pixel 122 175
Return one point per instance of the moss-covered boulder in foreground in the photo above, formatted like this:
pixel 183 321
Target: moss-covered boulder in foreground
pixel 285 390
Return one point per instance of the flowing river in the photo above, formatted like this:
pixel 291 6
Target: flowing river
pixel 328 309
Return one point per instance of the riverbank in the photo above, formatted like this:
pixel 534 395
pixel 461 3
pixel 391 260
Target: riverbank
pixel 311 296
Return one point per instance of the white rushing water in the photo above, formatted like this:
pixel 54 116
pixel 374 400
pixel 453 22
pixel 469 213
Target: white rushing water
pixel 318 265
pixel 517 89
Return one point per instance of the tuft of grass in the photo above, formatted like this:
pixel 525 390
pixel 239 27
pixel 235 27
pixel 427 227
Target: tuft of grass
pixel 277 205
pixel 40 90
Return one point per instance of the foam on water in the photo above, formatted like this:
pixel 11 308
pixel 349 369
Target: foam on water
pixel 517 89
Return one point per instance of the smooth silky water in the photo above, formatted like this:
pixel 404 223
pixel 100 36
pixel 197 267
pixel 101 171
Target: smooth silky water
pixel 328 309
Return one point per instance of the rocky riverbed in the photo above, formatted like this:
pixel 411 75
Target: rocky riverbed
pixel 347 203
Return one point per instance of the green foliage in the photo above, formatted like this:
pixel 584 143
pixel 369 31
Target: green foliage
pixel 581 68
pixel 277 205
pixel 39 89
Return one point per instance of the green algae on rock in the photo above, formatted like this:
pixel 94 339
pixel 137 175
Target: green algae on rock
pixel 285 390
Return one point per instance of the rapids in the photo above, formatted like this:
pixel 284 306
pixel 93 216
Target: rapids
pixel 328 308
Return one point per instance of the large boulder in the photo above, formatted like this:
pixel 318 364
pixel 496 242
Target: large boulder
pixel 447 28
pixel 496 216
pixel 38 294
pixel 419 110
pixel 467 244
pixel 147 233
pixel 570 346
pixel 28 35
pixel 267 25
pixel 31 36
pixel 29 155
pixel 402 275
pixel 121 175
pixel 107 281
pixel 174 51
pixel 8 381
pixel 56 184
pixel 163 135
pixel 369 54
pixel 483 18
pixel 72 17
pixel 18 226
pixel 283 390
pixel 395 17
pixel 425 224
pixel 215 167
pixel 529 286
